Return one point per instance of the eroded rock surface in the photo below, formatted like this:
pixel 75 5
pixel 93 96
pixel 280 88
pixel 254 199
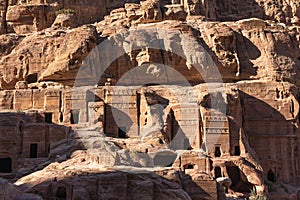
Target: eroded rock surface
pixel 177 95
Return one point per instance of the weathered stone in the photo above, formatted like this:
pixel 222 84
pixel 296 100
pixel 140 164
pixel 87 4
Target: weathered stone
pixel 47 53
pixel 65 20
pixel 21 85
pixel 10 191
pixel 226 182
pixel 243 133
pixel 104 183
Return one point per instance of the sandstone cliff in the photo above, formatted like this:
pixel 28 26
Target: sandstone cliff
pixel 254 45
pixel 247 49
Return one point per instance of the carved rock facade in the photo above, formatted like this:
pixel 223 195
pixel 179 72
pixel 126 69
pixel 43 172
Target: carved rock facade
pixel 133 106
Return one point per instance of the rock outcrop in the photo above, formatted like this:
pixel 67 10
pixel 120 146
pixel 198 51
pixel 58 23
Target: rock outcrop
pixel 45 55
pixel 247 49
pixel 10 191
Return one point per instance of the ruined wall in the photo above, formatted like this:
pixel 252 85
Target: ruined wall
pixel 11 139
pixel 26 136
pixel 122 112
pixel 271 111
pixel 271 117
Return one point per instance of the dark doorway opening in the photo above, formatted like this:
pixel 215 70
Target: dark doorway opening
pixel 5 165
pixel 234 175
pixel 61 117
pixel 218 172
pixel 238 184
pixel 48 117
pixel 74 116
pixel 138 104
pixel 171 129
pixel 32 78
pixel 237 151
pixel 218 152
pixel 33 150
pixel 210 165
pixel 271 176
pixel 61 193
pixel 122 133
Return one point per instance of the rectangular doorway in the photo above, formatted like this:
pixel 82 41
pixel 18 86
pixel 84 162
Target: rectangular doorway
pixel 33 150
pixel 5 165
pixel 48 117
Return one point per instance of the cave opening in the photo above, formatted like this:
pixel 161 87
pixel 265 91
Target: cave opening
pixel 234 174
pixel 32 78
pixel 271 176
pixel 238 184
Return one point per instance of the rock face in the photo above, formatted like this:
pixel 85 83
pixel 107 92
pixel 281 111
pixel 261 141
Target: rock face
pixel 98 173
pixel 247 49
pixel 24 17
pixel 10 191
pixel 27 16
pixel 244 48
pixel 65 20
pixel 106 184
pixel 47 53
pixel 171 99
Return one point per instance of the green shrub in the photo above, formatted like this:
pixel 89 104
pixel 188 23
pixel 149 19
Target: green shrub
pixel 65 11
pixel 255 196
